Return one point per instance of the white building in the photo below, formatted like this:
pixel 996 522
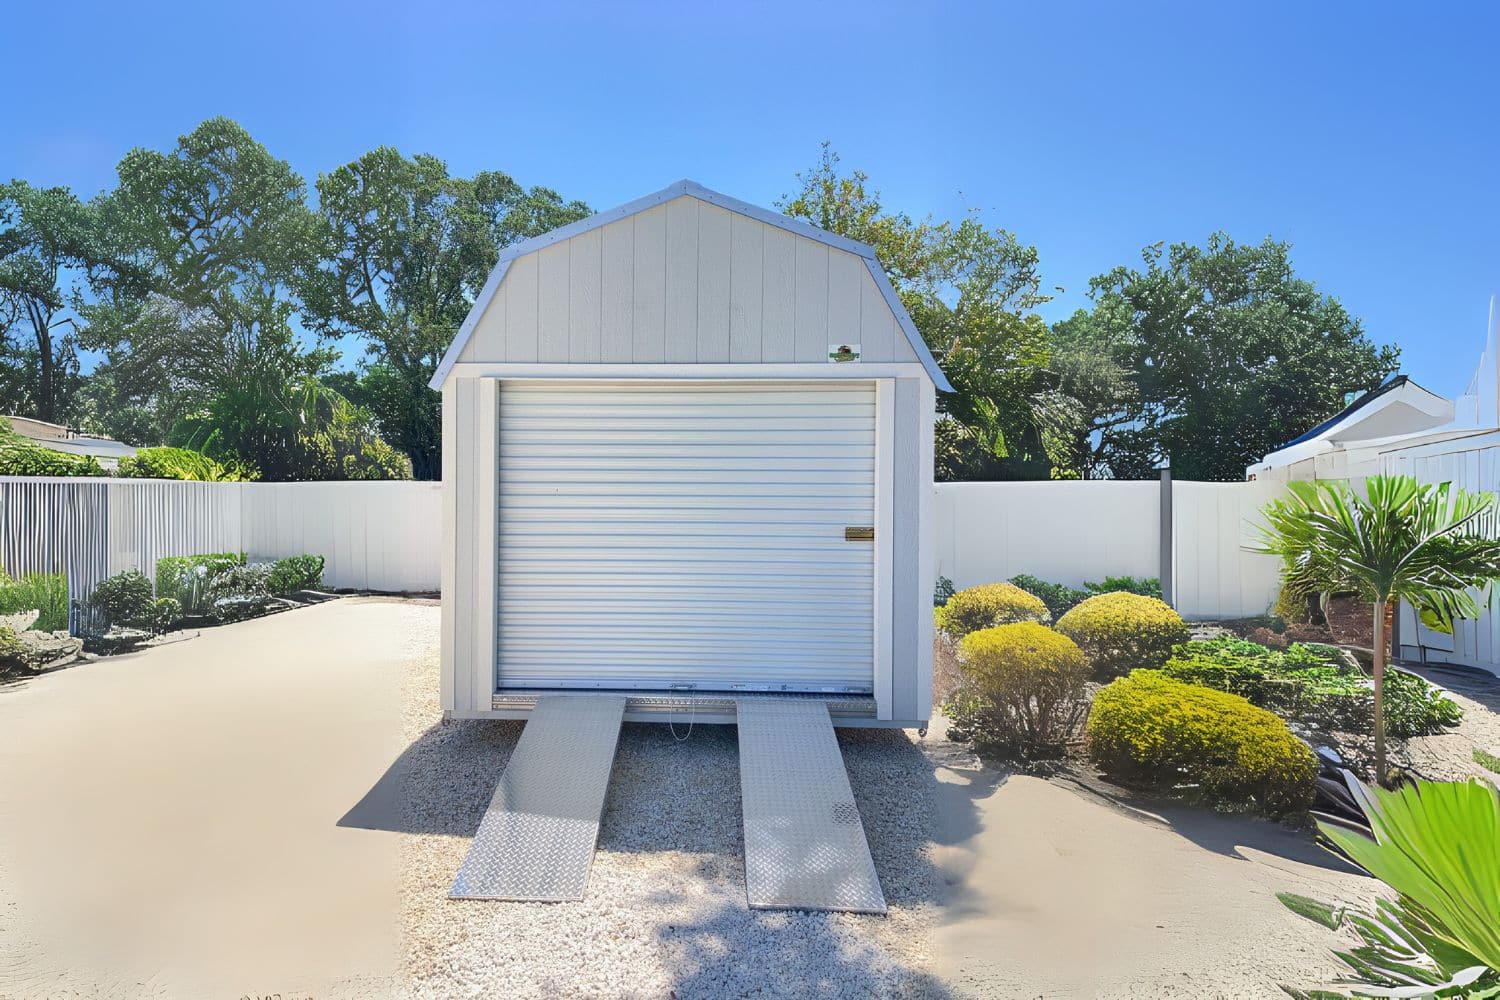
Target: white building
pixel 687 452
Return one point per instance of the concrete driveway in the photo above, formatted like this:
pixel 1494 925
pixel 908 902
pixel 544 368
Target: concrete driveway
pixel 170 820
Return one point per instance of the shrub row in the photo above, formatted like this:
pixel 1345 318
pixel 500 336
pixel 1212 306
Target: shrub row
pixel 222 585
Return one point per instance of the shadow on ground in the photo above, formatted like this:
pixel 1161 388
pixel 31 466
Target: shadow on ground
pixel 671 852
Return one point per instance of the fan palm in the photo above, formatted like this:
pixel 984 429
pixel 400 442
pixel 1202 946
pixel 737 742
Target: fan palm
pixel 1430 545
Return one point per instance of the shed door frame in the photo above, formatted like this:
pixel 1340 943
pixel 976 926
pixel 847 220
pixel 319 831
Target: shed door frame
pixel 488 667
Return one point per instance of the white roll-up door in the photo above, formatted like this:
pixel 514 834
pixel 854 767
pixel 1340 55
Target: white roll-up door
pixel 686 535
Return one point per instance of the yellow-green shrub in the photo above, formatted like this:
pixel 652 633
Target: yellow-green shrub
pixel 987 606
pixel 1120 632
pixel 1023 688
pixel 1149 729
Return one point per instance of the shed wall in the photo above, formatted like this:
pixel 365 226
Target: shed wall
pixel 686 282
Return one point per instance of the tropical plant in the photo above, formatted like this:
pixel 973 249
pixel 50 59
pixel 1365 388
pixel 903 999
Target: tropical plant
pixel 986 606
pixel 186 578
pixel 179 463
pixel 1429 545
pixel 1151 730
pixel 1024 689
pixel 46 593
pixel 1120 632
pixel 1437 844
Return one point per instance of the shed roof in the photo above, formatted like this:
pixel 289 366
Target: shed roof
pixel 693 189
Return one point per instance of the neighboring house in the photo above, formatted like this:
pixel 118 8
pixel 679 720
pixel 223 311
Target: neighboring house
pixel 1365 436
pixel 65 439
pixel 687 452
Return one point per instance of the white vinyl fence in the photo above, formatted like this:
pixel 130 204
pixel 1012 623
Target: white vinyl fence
pixel 1074 532
pixel 387 536
pixel 373 536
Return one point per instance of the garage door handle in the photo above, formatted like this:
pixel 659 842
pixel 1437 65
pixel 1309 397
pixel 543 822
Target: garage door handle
pixel 859 533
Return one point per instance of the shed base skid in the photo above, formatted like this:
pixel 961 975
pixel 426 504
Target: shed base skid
pixel 706 707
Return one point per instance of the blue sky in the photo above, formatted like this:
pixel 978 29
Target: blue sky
pixel 1368 134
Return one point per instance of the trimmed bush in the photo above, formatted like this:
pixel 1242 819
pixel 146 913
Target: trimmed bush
pixel 10 646
pixel 1122 632
pixel 1146 586
pixel 295 573
pixel 1058 597
pixel 1024 689
pixel 987 606
pixel 125 599
pixel 1151 730
pixel 186 578
pixel 43 592
pixel 239 592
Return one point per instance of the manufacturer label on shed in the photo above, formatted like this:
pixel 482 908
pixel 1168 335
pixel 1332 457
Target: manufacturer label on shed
pixel 843 352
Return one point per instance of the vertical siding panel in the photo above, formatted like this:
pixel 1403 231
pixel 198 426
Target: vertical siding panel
pixel 617 291
pixel 552 302
pixel 876 325
pixel 909 478
pixel 585 265
pixel 682 281
pixel 779 282
pixel 521 310
pixel 812 302
pixel 713 284
pixel 844 273
pixel 746 251
pixel 648 340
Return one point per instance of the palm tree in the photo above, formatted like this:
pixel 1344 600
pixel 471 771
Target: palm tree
pixel 1430 545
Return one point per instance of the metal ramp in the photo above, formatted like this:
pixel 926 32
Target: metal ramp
pixel 536 841
pixel 805 846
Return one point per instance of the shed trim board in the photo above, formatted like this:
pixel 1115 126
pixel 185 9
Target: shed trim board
pixel 691 189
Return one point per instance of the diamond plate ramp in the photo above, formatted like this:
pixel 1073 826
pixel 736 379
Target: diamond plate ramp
pixel 536 841
pixel 805 846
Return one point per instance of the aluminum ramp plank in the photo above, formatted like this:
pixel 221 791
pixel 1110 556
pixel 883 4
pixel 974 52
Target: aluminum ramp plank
pixel 805 846
pixel 536 841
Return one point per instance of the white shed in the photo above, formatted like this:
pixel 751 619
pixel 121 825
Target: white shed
pixel 687 454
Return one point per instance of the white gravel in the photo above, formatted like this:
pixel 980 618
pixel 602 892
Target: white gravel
pixel 665 914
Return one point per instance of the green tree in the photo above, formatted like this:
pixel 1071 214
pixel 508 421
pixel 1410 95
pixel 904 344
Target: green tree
pixel 1092 360
pixel 971 292
pixel 406 249
pixel 1233 355
pixel 208 242
pixel 46 234
pixel 1400 540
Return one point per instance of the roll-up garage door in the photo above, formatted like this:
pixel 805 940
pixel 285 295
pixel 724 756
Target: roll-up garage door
pixel 686 535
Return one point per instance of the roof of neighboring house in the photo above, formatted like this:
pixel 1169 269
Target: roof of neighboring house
pixel 65 439
pixel 1390 384
pixel 695 190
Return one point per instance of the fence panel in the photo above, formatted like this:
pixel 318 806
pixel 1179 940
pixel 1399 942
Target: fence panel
pixel 1066 532
pixel 1214 574
pixel 374 536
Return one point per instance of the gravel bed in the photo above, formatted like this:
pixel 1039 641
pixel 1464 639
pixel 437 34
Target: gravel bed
pixel 1450 757
pixel 665 914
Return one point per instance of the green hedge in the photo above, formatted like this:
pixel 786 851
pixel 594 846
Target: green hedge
pixel 1173 736
pixel 178 463
pixel 296 573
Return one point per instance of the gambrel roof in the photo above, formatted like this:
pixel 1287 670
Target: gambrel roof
pixel 690 189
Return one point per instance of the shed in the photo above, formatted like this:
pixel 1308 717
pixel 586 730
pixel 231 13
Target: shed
pixel 687 456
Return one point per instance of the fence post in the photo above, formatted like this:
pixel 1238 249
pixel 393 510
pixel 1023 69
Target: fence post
pixel 1165 571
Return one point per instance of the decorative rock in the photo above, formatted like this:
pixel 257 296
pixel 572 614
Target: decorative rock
pixel 20 621
pixel 41 651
